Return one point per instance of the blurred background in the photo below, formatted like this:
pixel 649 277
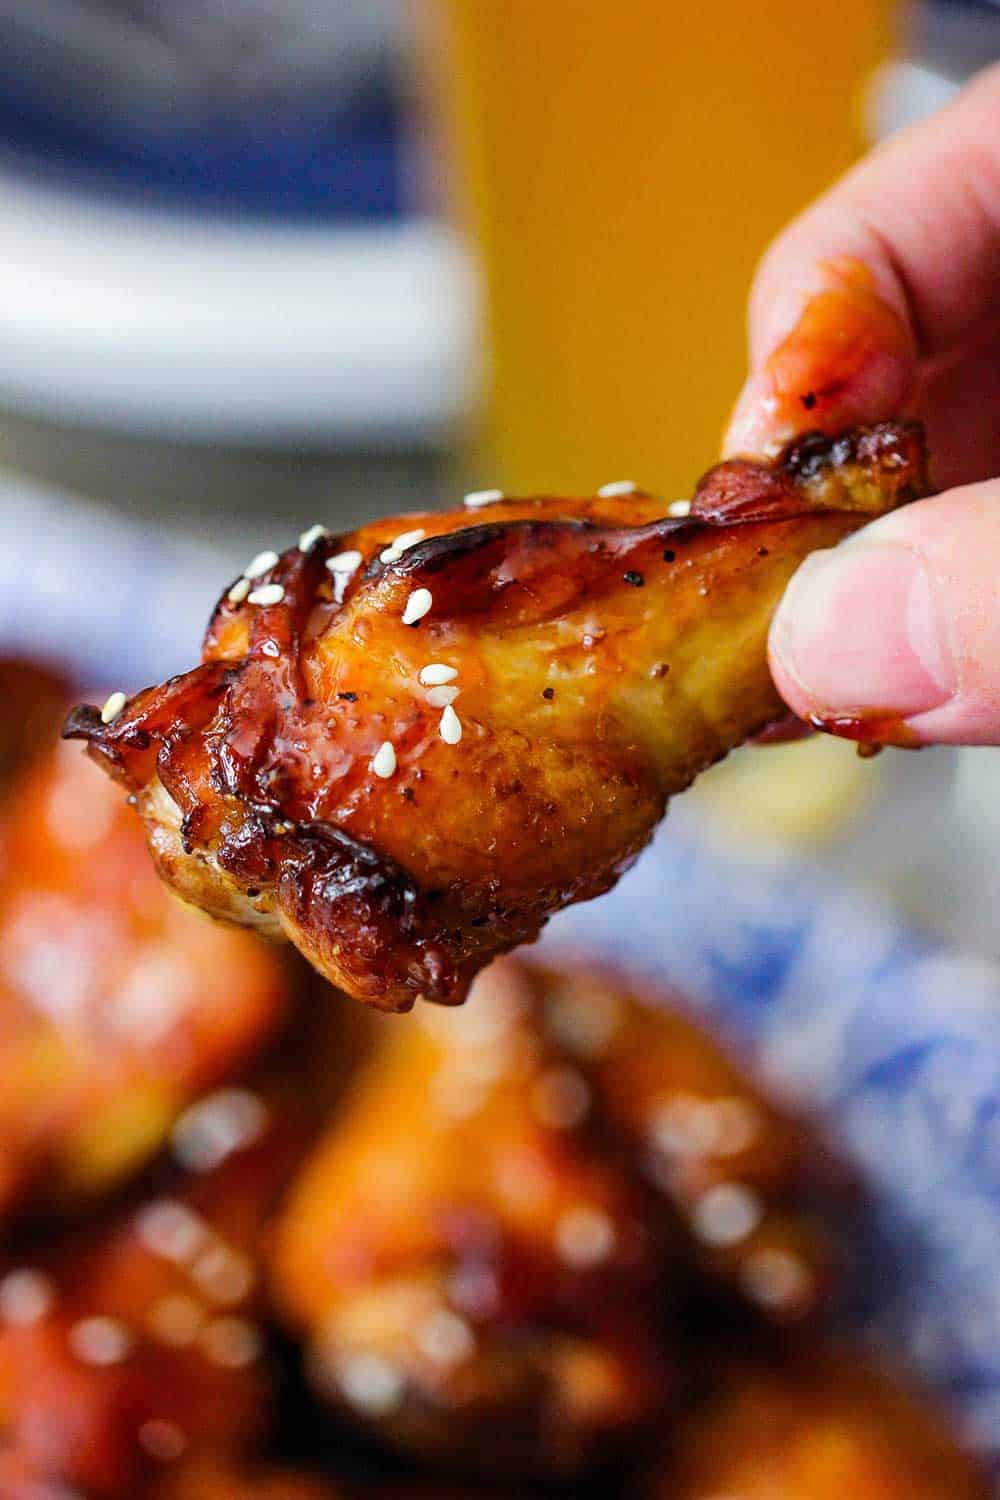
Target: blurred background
pixel 271 262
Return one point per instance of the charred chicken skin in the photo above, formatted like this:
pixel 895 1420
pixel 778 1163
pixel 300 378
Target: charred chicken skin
pixel 822 1430
pixel 117 1005
pixel 408 746
pixel 498 1260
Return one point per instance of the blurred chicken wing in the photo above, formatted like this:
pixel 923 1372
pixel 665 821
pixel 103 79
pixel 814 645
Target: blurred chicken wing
pixel 471 1273
pixel 828 1430
pixel 406 747
pixel 134 1344
pixel 117 1005
pixel 490 1251
pixel 752 1182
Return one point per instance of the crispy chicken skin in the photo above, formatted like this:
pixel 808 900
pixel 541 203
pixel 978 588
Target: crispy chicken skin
pixel 117 1004
pixel 828 1429
pixel 135 1342
pixel 603 654
pixel 495 1260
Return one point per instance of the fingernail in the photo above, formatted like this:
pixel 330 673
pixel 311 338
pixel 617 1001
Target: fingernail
pixel 757 426
pixel 859 631
pixel 844 355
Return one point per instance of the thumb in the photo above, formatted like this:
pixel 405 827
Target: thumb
pixel 897 632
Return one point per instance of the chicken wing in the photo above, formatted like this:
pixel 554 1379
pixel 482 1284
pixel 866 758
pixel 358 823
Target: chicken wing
pixel 117 1005
pixel 818 1431
pixel 137 1342
pixel 486 1255
pixel 405 751
pixel 751 1182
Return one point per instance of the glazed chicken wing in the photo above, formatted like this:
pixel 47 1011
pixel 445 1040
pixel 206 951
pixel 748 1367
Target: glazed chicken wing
pixel 132 1345
pixel 405 751
pixel 117 1005
pixel 750 1181
pixel 826 1430
pixel 492 1251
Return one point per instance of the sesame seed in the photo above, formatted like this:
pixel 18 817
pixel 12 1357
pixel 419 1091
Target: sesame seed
pixel 456 1096
pixel 371 1384
pixel 211 1130
pixel 684 1125
pixel 445 1338
pixel 737 1123
pixel 384 760
pixel 100 1341
pixel 403 543
pixel 271 593
pixel 176 1321
pixel 679 508
pixel 26 1297
pixel 171 1230
pixel 113 708
pixel 475 1289
pixel 477 498
pixel 224 1275
pixel 308 539
pixel 584 1237
pixel 239 591
pixel 560 1098
pixel 417 605
pixel 584 1023
pixel 617 487
pixel 441 697
pixel 162 1440
pixel 436 673
pixel 726 1215
pixel 261 564
pixel 450 728
pixel 232 1343
pixel 776 1279
pixel 409 539
pixel 345 562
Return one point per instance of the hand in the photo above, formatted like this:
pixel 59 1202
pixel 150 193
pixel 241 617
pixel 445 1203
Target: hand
pixel 884 298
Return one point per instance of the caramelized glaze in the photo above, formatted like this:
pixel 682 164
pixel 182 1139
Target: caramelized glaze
pixel 604 654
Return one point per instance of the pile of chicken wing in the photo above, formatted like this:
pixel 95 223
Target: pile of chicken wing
pixel 258 1242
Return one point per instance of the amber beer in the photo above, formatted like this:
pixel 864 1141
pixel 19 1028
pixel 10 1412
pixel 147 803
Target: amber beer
pixel 623 164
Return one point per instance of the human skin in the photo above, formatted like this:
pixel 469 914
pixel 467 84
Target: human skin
pixel 902 625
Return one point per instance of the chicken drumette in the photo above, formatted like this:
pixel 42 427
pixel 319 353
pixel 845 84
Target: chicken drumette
pixel 498 1248
pixel 135 1343
pixel 407 747
pixel 117 1005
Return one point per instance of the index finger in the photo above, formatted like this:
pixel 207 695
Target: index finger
pixel 893 269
